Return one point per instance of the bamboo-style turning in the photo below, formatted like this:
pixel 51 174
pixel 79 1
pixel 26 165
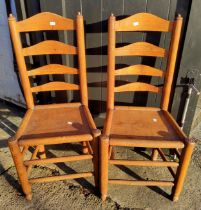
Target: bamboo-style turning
pixel 53 123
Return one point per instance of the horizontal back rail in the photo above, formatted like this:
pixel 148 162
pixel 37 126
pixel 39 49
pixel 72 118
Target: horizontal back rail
pixel 49 47
pixel 141 49
pixel 140 70
pixel 51 86
pixel 137 86
pixel 52 69
pixel 45 21
pixel 143 22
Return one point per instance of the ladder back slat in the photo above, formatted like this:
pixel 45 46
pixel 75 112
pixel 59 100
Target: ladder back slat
pixel 45 21
pixel 49 47
pixel 53 69
pixel 55 86
pixel 143 22
pixel 137 86
pixel 140 70
pixel 141 49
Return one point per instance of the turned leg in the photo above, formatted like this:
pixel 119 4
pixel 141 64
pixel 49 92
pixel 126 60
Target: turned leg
pixel 104 150
pixel 21 169
pixel 154 155
pixel 84 148
pixel 41 150
pixel 96 161
pixel 182 170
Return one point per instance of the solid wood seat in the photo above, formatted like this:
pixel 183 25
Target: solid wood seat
pixel 60 122
pixel 128 128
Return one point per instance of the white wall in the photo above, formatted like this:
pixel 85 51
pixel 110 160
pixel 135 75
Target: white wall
pixel 9 86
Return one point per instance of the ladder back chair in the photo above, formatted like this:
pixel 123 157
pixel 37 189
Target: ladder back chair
pixel 53 123
pixel 147 127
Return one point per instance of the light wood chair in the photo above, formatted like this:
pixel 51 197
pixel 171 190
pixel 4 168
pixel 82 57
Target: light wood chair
pixel 54 123
pixel 147 127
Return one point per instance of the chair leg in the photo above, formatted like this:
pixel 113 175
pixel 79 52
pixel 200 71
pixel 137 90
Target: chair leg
pixel 111 152
pixel 182 170
pixel 96 161
pixel 104 150
pixel 84 148
pixel 21 169
pixel 41 151
pixel 154 155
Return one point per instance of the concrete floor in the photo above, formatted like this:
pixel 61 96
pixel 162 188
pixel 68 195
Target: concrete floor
pixel 80 194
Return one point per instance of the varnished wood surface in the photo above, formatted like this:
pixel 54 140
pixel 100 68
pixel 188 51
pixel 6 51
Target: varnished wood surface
pixel 52 69
pixel 143 22
pixel 141 49
pixel 62 121
pixel 137 86
pixel 49 47
pixel 57 159
pixel 140 183
pixel 61 177
pixel 143 128
pixel 45 21
pixel 174 47
pixel 140 70
pixel 57 123
pixel 55 86
pixel 143 163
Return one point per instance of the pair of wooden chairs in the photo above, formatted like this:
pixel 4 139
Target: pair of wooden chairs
pixel 72 122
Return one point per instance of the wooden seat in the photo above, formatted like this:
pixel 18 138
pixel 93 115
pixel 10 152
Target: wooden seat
pixel 128 129
pixel 146 127
pixel 62 121
pixel 55 123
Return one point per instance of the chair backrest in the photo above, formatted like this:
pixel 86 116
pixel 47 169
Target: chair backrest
pixel 47 22
pixel 142 22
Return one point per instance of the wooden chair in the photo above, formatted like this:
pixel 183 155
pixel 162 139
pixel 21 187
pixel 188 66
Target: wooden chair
pixel 147 127
pixel 55 123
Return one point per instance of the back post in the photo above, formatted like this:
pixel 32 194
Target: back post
pixel 21 62
pixel 111 62
pixel 171 62
pixel 82 59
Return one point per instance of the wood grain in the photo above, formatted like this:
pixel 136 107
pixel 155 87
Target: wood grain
pixel 140 183
pixel 55 86
pixel 141 49
pixel 61 177
pixel 137 86
pixel 49 47
pixel 45 21
pixel 140 70
pixel 143 22
pixel 52 69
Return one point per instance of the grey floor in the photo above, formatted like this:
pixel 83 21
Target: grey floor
pixel 80 194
